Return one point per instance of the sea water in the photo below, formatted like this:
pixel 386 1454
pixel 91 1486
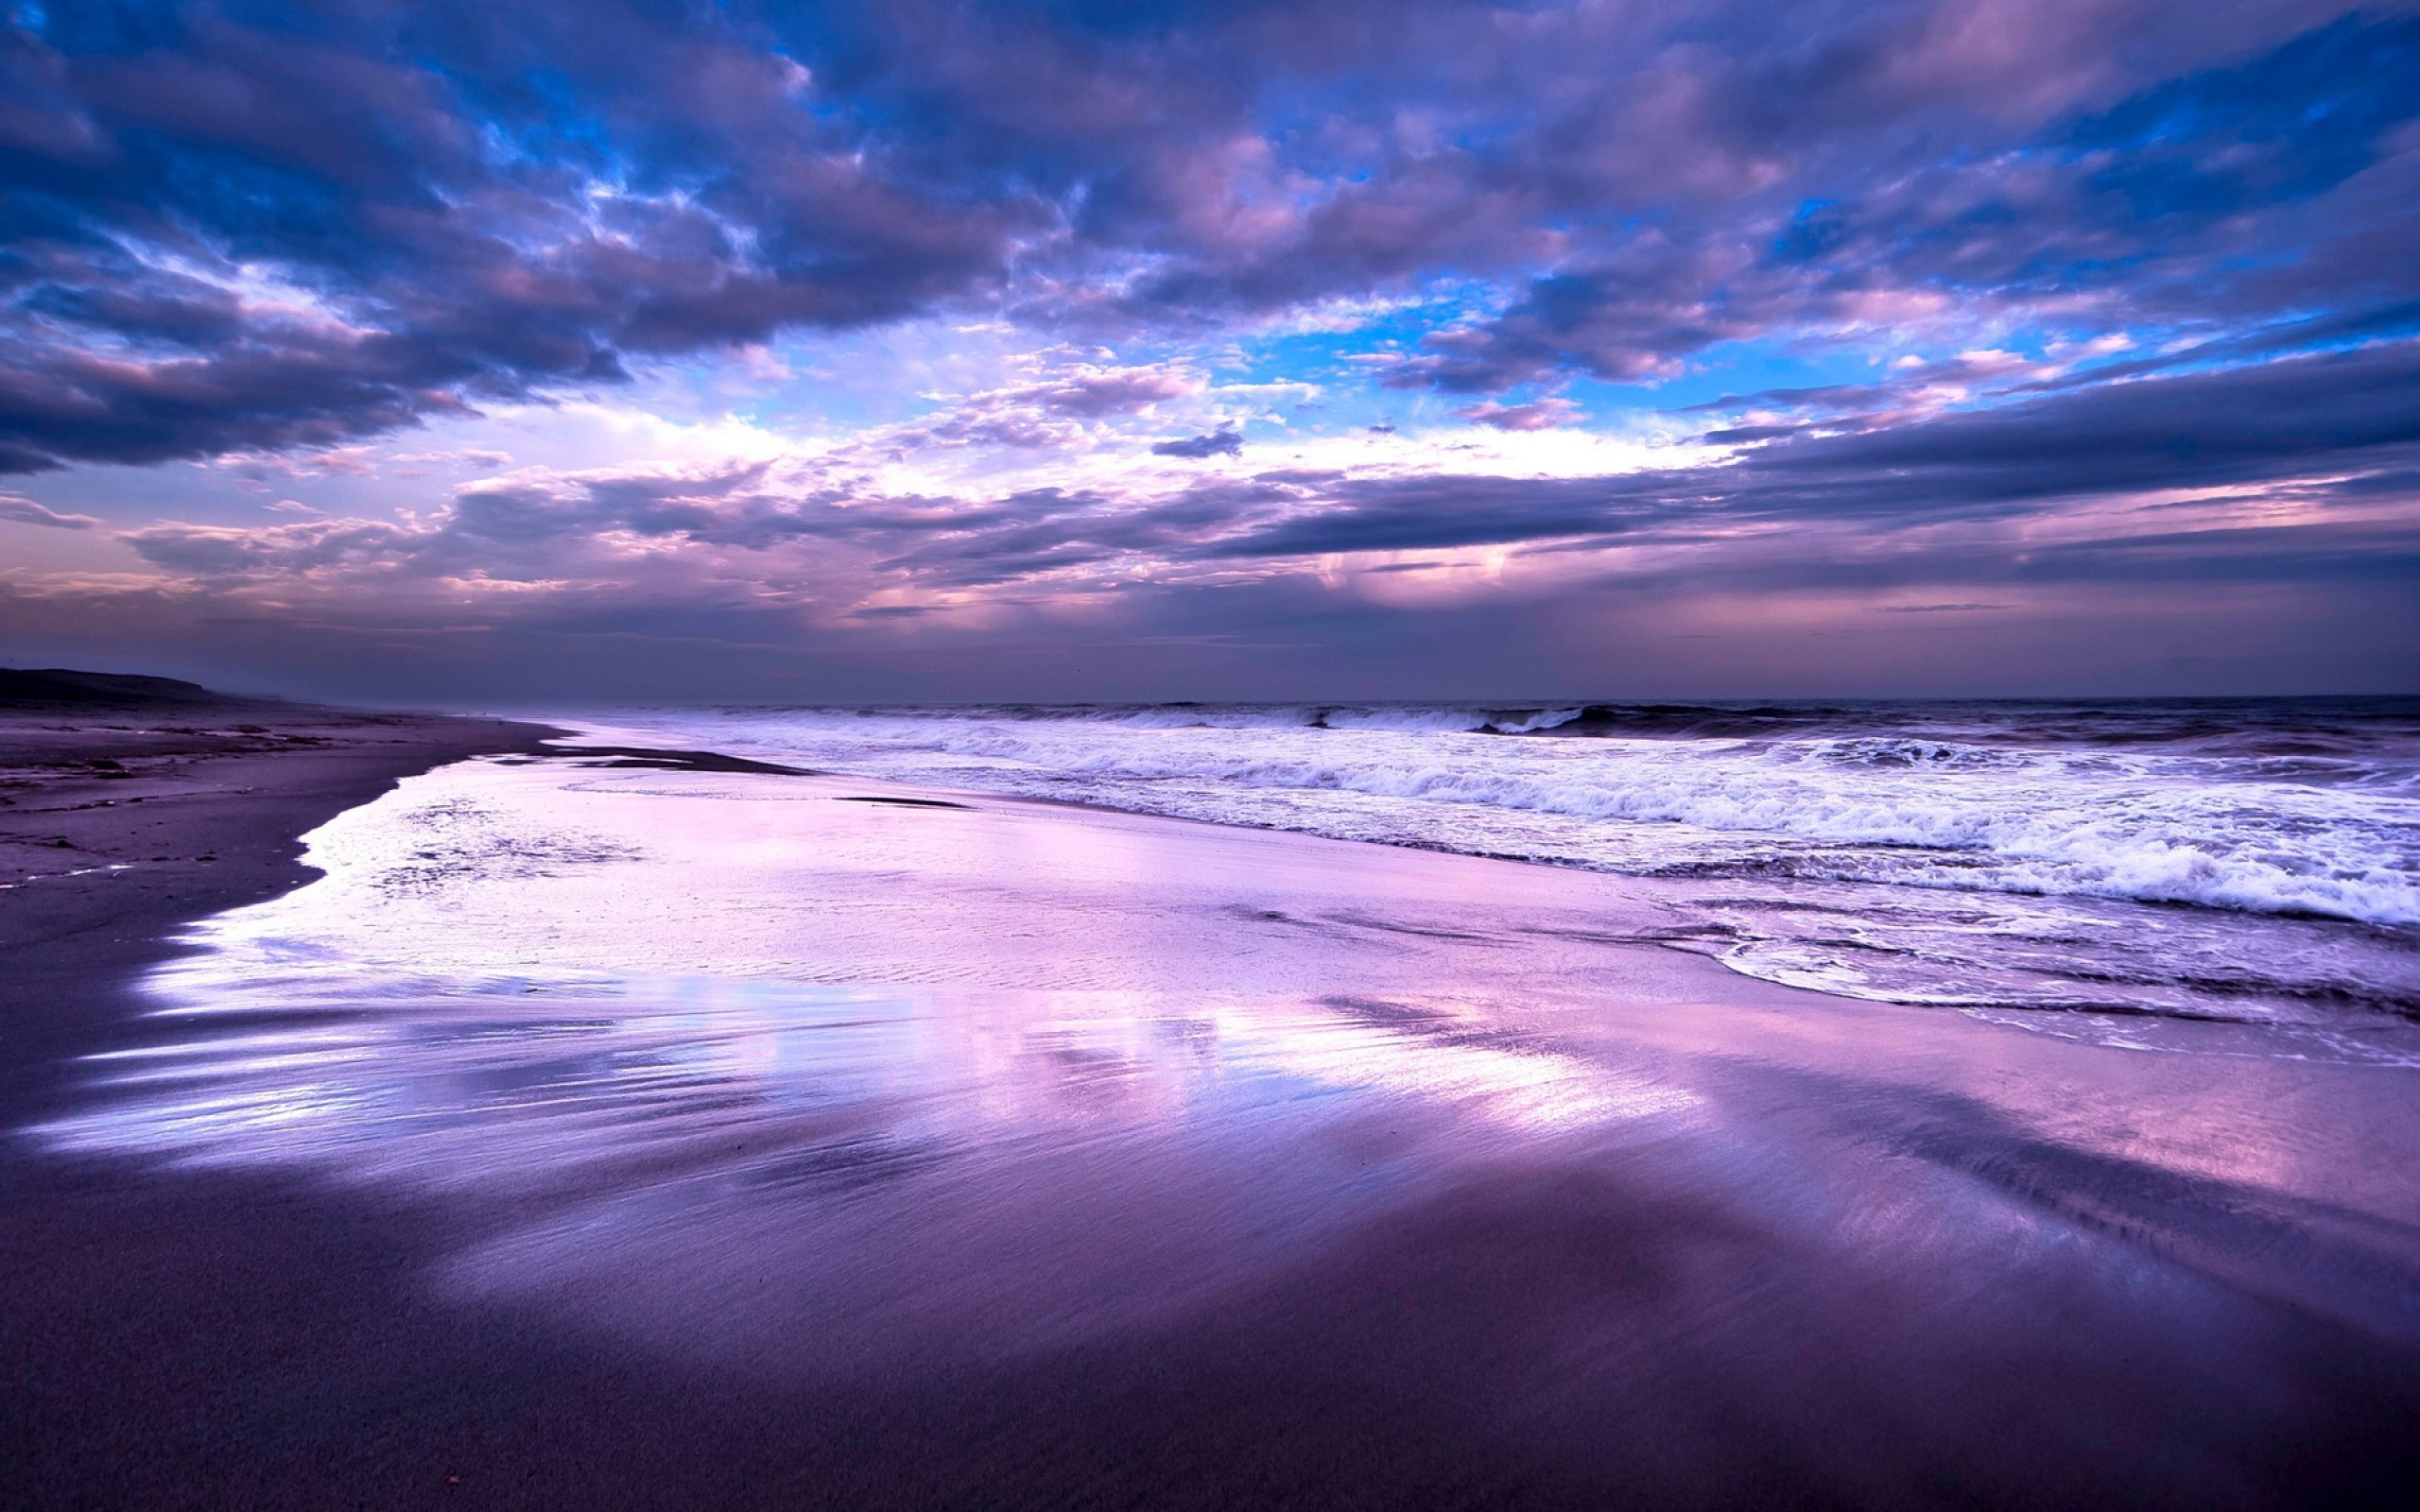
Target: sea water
pixel 2254 861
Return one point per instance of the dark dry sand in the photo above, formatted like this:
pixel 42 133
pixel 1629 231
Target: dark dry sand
pixel 1607 1332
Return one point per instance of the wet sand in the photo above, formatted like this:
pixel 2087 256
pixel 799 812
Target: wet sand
pixel 1027 1157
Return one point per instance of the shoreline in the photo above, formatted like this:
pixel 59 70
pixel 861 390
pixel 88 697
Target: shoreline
pixel 2021 954
pixel 2066 1249
pixel 166 814
pixel 142 1302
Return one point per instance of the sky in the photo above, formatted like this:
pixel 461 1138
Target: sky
pixel 544 352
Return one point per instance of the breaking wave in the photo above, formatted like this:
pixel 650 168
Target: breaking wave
pixel 2306 813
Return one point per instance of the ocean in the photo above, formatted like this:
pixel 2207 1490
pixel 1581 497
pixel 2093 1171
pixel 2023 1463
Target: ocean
pixel 2078 865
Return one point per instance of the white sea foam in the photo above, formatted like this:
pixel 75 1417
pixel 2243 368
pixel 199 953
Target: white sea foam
pixel 1926 812
pixel 2260 819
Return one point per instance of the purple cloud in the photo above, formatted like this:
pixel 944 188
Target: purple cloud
pixel 1224 441
pixel 1537 414
pixel 1991 292
pixel 450 229
pixel 25 511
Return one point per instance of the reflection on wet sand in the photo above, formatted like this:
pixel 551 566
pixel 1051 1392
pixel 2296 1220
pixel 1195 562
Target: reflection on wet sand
pixel 699 1105
pixel 731 1071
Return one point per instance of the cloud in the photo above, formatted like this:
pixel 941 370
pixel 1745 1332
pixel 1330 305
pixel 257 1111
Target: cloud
pixel 1092 393
pixel 19 510
pixel 1996 294
pixel 1537 414
pixel 2342 418
pixel 220 551
pixel 1224 441
pixel 1067 406
pixel 233 229
pixel 2094 478
pixel 2223 196
pixel 245 236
